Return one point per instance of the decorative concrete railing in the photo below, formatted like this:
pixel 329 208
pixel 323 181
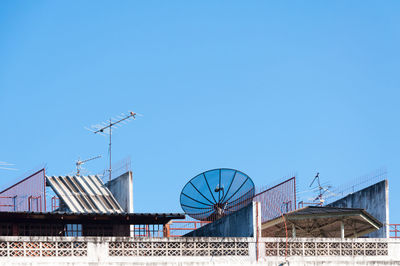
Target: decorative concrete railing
pixel 122 246
pixel 326 247
pixel 87 250
pixel 178 248
pixel 23 248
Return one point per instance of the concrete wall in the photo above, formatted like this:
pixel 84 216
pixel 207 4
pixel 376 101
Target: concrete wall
pixel 242 223
pixel 375 200
pixel 122 189
pixel 90 251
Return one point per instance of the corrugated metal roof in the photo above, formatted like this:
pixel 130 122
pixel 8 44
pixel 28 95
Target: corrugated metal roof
pixel 84 194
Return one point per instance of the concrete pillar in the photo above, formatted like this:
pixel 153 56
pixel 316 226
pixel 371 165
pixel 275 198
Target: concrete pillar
pixel 341 229
pixel 253 253
pixel 293 231
pixel 96 250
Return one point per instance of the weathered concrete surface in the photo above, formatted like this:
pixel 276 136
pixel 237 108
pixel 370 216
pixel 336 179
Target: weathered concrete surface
pixel 375 200
pixel 272 262
pixel 98 252
pixel 241 223
pixel 280 262
pixel 122 190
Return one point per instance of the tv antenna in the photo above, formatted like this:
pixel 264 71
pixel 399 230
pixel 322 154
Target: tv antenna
pixel 79 163
pixel 107 127
pixel 6 166
pixel 321 190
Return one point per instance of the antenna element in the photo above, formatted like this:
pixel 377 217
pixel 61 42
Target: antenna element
pixel 322 190
pixel 6 166
pixel 79 163
pixel 100 129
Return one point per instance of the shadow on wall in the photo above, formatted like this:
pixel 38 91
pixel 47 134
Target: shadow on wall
pixel 241 223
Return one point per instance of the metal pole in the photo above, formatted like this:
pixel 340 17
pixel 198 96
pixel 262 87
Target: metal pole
pixel 110 149
pixel 132 114
pixel 294 191
pixel 15 202
pixel 44 189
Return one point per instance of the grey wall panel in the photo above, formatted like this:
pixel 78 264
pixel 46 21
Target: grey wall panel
pixel 375 200
pixel 122 189
pixel 238 224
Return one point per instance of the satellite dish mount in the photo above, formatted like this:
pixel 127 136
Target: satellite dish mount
pixel 216 193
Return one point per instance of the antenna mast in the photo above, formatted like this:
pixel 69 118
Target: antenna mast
pixel 109 126
pixel 322 190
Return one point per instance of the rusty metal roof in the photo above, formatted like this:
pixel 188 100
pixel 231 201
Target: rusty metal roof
pixel 84 194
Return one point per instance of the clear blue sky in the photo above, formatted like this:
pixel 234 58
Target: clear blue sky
pixel 269 88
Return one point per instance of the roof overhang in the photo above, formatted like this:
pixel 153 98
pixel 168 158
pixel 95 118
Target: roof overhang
pixel 94 218
pixel 314 221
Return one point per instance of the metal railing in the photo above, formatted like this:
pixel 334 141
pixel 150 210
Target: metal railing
pixel 394 230
pixel 180 228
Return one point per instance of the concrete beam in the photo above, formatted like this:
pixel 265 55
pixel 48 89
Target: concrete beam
pixel 293 231
pixel 341 229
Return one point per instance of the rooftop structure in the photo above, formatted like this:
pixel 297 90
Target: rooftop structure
pixel 313 221
pixel 84 194
pixel 96 224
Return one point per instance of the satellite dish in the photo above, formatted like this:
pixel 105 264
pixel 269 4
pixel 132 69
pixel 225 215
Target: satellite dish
pixel 216 193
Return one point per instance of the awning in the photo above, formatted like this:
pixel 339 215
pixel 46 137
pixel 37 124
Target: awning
pixel 315 221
